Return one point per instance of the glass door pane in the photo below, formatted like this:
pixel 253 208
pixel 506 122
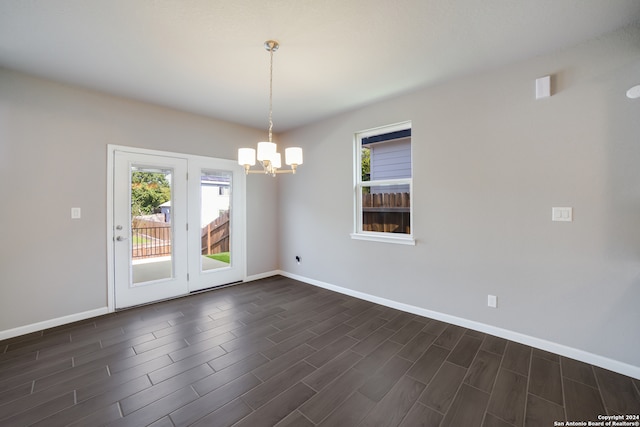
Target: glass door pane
pixel 215 219
pixel 216 223
pixel 151 226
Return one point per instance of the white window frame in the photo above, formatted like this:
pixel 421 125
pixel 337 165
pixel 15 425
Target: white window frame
pixel 359 233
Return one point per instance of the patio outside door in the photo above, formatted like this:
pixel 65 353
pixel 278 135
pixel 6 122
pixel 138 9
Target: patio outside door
pixel 150 243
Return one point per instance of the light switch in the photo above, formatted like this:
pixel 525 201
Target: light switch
pixel 562 214
pixel 76 213
pixel 492 301
pixel 543 87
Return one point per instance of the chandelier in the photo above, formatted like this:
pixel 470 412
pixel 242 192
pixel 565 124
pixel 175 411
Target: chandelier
pixel 267 153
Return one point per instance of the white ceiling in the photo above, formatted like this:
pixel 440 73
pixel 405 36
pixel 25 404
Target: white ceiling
pixel 207 56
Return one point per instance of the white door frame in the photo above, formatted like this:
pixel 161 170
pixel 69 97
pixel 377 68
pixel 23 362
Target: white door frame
pixel 194 166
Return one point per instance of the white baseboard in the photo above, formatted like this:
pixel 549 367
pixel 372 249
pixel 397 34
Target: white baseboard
pixel 563 350
pixel 262 275
pixel 52 323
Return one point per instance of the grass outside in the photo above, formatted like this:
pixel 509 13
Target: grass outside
pixel 139 240
pixel 222 256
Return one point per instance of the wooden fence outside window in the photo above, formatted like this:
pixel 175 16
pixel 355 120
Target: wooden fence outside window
pixel 386 212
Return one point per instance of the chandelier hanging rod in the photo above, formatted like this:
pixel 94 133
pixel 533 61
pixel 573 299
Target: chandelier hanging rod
pixel 271 46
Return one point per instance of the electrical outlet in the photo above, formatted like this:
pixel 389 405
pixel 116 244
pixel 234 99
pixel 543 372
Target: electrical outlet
pixel 562 214
pixel 492 301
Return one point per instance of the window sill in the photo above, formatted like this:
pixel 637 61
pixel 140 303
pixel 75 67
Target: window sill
pixel 384 238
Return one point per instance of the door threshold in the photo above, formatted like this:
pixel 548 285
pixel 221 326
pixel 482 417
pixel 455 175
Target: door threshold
pixel 212 288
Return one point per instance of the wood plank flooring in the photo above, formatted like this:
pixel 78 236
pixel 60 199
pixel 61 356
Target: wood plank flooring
pixel 277 352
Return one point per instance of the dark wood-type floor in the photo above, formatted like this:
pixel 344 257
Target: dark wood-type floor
pixel 280 352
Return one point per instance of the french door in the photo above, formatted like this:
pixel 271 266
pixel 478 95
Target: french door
pixel 216 222
pixel 177 223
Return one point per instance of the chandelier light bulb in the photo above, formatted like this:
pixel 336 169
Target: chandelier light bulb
pixel 293 156
pixel 277 160
pixel 266 150
pixel 247 156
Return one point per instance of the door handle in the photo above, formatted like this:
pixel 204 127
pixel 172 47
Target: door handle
pixel 120 238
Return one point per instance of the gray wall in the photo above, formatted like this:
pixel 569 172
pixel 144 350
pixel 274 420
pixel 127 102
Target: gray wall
pixel 489 164
pixel 53 155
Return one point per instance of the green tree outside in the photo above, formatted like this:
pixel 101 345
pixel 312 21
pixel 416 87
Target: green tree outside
pixel 366 164
pixel 148 191
pixel 365 159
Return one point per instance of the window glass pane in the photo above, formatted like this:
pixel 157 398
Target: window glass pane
pixel 386 156
pixel 386 209
pixel 215 190
pixel 390 159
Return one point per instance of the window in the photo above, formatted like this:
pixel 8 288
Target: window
pixel 383 184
